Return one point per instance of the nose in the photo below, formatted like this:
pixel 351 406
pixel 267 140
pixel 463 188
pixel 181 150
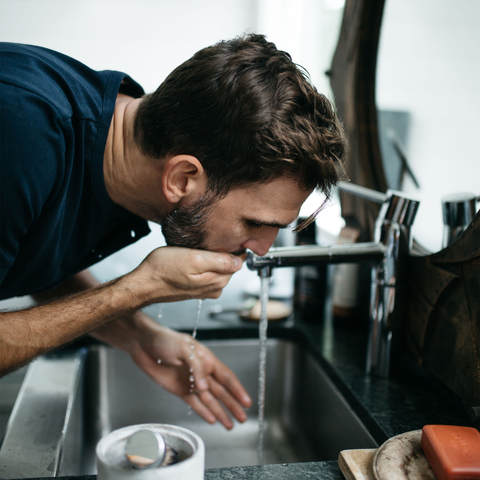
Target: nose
pixel 260 244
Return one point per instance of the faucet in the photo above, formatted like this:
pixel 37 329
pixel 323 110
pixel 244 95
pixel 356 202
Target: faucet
pixel 392 236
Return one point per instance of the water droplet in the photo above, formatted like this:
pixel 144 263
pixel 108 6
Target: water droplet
pixel 191 378
pixel 159 360
pixel 191 369
pixel 191 357
pixel 197 318
pixel 133 234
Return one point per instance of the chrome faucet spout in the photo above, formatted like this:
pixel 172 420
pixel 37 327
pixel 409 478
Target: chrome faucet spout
pixel 317 255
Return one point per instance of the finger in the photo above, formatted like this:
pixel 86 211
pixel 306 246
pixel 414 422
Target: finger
pixel 194 360
pixel 218 262
pixel 216 409
pixel 198 407
pixel 231 403
pixel 225 377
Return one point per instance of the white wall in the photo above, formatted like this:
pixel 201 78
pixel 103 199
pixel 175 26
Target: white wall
pixel 148 38
pixel 145 38
pixel 429 65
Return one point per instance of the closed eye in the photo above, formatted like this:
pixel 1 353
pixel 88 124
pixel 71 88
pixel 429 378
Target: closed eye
pixel 259 224
pixel 254 224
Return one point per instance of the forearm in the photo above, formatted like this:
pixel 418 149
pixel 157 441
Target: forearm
pixel 166 275
pixel 29 333
pixel 123 331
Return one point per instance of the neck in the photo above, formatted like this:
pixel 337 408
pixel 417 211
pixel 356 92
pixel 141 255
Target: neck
pixel 132 180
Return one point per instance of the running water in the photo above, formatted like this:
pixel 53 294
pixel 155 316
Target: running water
pixel 160 315
pixel 262 367
pixel 192 346
pixel 197 318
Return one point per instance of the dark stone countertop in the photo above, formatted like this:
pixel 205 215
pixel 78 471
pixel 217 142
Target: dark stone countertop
pixel 408 400
pixel 284 471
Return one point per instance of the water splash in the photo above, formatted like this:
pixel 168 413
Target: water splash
pixel 197 318
pixel 192 346
pixel 262 369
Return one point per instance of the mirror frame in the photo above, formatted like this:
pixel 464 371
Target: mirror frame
pixel 353 82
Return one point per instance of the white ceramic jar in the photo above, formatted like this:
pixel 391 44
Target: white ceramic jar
pixel 113 465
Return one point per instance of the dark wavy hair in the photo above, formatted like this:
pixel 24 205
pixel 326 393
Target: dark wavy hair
pixel 248 114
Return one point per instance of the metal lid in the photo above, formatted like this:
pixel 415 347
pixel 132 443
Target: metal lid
pixel 458 209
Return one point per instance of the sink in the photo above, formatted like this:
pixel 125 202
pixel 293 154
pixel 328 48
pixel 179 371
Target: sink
pixel 69 401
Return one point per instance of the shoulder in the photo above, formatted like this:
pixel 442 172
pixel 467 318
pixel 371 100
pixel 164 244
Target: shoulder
pixel 69 86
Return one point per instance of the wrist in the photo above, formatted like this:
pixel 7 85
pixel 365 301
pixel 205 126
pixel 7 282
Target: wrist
pixel 124 333
pixel 140 290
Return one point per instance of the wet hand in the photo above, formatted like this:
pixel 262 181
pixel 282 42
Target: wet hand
pixel 194 374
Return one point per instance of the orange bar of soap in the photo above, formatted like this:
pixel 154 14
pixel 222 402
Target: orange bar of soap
pixel 452 452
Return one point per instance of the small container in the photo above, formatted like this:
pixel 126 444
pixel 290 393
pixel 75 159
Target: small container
pixel 310 281
pixel 458 212
pixel 112 463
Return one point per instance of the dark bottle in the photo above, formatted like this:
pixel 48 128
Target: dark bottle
pixel 310 281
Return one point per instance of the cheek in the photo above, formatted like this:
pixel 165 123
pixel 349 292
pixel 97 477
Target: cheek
pixel 226 235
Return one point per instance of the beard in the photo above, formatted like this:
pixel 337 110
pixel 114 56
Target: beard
pixel 185 225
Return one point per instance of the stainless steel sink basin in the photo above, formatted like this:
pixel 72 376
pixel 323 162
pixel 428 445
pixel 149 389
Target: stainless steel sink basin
pixel 68 403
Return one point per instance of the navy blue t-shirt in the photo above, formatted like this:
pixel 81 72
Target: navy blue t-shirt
pixel 56 217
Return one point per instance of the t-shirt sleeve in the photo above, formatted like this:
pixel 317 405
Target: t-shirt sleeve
pixel 32 152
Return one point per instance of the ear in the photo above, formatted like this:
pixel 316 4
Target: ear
pixel 183 176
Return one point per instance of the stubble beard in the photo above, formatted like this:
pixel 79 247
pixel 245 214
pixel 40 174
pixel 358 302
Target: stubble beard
pixel 185 225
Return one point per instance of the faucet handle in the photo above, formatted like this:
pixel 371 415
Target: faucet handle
pixel 399 208
pixel 362 192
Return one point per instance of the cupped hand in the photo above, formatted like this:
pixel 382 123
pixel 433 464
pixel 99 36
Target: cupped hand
pixel 171 274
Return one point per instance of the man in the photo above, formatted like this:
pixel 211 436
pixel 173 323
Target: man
pixel 222 155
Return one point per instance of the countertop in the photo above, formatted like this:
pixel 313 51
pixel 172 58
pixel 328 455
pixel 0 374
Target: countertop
pixel 408 400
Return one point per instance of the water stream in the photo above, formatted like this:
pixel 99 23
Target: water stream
pixel 262 369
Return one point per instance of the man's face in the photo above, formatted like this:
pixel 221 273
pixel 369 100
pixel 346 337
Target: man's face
pixel 249 217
